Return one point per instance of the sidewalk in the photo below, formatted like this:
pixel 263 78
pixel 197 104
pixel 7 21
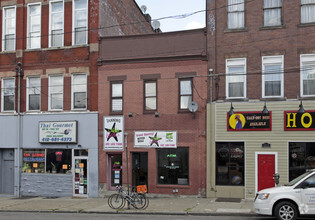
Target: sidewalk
pixel 178 205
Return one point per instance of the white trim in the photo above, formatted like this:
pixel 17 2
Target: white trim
pixel 256 165
pixel 49 92
pixel 305 58
pixel 3 28
pixel 73 22
pixel 63 15
pixel 27 93
pixel 272 60
pixel 28 24
pixel 236 62
pixel 72 92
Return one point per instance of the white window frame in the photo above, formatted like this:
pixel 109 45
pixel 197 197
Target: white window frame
pixel 28 86
pixel 50 23
pixel 74 22
pixel 269 60
pixel 50 92
pixel 73 91
pixel 4 28
pixel 304 60
pixel 236 8
pixel 235 62
pixel 29 29
pixel 2 94
pixel 310 6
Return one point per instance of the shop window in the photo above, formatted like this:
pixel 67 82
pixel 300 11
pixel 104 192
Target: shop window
pixel 230 163
pixel 301 158
pixel 173 166
pixel 33 161
pixel 49 161
pixel 58 161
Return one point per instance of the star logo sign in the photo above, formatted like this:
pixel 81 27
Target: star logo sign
pixel 112 132
pixel 155 140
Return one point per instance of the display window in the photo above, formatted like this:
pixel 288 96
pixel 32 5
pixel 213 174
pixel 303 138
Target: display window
pixel 47 161
pixel 301 158
pixel 230 163
pixel 173 166
pixel 33 161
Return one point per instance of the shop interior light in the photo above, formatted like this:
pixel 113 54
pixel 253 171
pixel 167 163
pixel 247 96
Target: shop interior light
pixel 301 109
pixel 265 110
pixel 231 112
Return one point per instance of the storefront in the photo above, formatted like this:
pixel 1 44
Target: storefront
pixel 154 158
pixel 58 155
pixel 247 147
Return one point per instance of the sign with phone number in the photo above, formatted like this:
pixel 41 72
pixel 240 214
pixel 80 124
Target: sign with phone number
pixel 58 132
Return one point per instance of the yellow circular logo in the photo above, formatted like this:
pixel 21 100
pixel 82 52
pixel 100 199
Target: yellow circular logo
pixel 237 121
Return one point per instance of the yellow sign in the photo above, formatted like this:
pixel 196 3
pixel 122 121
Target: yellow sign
pixel 35 165
pixel 81 165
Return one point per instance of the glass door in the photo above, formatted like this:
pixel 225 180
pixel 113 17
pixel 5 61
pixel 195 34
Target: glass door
pixel 80 174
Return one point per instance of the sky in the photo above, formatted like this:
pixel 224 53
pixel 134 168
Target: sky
pixel 180 10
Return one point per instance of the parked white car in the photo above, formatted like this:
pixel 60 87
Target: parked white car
pixel 289 201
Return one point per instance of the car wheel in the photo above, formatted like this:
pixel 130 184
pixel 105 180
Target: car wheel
pixel 286 211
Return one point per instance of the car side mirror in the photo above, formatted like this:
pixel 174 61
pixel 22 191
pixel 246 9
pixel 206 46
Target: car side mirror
pixel 305 185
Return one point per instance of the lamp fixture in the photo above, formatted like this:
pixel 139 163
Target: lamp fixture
pixel 231 112
pixel 265 110
pixel 156 114
pixel 130 114
pixel 301 109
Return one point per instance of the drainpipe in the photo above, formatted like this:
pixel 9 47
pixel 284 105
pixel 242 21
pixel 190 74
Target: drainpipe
pixel 19 123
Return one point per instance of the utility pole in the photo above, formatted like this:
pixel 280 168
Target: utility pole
pixel 19 132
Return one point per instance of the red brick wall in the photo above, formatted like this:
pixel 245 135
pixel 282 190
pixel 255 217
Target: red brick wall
pixel 255 42
pixel 191 132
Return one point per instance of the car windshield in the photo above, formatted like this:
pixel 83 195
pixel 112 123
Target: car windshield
pixel 297 179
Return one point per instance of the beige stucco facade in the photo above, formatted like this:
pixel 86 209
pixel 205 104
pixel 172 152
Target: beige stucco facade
pixel 277 137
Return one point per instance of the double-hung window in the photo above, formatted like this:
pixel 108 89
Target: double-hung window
pixel 307 11
pixel 272 76
pixel 79 91
pixel 33 93
pixel 80 21
pixel 8 94
pixel 55 92
pixel 56 23
pixel 34 26
pixel 272 12
pixel 236 78
pixel 116 97
pixel 236 14
pixel 185 92
pixel 150 95
pixel 9 28
pixel 307 77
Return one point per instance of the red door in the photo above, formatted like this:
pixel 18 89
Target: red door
pixel 266 170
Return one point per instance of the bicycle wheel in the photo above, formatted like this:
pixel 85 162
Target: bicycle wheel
pixel 140 201
pixel 116 201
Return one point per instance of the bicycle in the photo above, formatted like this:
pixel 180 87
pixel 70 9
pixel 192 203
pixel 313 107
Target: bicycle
pixel 137 200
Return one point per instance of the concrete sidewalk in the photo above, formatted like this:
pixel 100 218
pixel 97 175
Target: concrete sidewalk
pixel 179 205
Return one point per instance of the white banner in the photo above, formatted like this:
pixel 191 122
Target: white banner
pixel 113 133
pixel 156 139
pixel 58 132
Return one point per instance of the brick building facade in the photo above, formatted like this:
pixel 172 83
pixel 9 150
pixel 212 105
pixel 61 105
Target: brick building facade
pixel 262 54
pixel 149 80
pixel 49 77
